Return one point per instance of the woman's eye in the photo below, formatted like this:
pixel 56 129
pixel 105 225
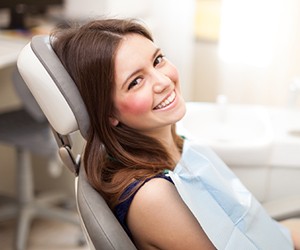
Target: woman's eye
pixel 135 82
pixel 158 60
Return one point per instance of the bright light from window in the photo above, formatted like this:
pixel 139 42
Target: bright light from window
pixel 247 31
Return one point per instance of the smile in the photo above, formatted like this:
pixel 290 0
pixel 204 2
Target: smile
pixel 166 102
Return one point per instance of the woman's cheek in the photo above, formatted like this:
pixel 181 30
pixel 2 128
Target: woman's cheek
pixel 136 105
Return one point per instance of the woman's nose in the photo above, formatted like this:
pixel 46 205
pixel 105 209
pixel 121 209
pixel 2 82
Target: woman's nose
pixel 160 81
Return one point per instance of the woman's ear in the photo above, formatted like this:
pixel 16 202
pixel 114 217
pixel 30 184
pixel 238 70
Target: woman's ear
pixel 113 121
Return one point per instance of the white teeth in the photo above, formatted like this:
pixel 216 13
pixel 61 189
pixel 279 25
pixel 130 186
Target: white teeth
pixel 167 101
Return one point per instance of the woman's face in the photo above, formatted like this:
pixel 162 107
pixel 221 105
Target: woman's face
pixel 147 95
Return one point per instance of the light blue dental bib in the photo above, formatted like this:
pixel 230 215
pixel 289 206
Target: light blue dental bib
pixel 228 213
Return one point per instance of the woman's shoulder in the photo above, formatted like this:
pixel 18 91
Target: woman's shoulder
pixel 121 210
pixel 159 217
pixel 154 190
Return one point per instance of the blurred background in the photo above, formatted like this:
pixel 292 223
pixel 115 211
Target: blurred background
pixel 247 50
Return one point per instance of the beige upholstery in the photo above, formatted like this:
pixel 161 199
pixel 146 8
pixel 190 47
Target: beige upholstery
pixel 60 101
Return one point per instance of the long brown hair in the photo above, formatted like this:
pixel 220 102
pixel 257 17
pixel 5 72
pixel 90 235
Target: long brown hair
pixel 114 155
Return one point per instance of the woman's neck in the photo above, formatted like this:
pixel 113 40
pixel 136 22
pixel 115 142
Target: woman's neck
pixel 164 135
pixel 174 153
pixel 171 147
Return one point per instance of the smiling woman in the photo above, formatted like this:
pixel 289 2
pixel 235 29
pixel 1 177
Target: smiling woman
pixel 147 95
pixel 166 191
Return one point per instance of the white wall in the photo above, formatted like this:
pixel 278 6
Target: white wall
pixel 260 47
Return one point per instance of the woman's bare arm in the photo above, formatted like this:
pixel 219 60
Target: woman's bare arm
pixel 294 226
pixel 159 219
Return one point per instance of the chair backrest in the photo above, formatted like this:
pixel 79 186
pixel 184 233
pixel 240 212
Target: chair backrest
pixel 58 97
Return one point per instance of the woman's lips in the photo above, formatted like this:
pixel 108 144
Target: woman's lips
pixel 166 102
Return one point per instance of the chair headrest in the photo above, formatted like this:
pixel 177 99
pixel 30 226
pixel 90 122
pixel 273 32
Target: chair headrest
pixel 52 87
pixel 28 101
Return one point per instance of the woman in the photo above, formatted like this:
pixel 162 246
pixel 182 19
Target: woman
pixel 133 98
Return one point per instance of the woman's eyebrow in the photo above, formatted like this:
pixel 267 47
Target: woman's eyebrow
pixel 138 70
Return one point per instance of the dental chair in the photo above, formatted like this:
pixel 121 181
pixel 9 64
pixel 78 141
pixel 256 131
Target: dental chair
pixel 27 131
pixel 60 101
